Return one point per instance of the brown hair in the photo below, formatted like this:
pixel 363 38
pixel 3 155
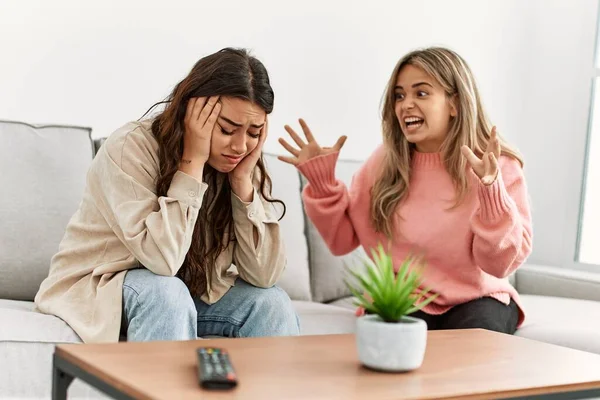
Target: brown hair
pixel 228 72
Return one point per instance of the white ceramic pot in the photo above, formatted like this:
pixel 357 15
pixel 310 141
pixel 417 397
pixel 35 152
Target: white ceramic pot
pixel 391 346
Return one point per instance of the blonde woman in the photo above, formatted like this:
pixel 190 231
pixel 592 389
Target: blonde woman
pixel 443 184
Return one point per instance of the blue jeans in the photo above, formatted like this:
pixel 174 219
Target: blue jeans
pixel 161 308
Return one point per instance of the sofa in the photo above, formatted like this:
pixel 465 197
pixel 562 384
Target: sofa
pixel 43 172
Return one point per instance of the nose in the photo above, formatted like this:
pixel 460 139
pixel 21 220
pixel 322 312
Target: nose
pixel 238 143
pixel 408 103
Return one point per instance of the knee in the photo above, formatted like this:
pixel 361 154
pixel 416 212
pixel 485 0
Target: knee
pixel 274 306
pixel 165 295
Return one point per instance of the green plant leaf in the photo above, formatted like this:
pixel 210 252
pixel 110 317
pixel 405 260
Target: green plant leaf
pixel 428 299
pixel 368 286
pixel 386 291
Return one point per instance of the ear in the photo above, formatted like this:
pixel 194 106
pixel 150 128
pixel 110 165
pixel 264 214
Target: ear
pixel 453 106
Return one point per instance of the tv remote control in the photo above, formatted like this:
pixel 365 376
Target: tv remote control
pixel 214 369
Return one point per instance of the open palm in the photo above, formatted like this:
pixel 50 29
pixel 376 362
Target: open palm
pixel 485 167
pixel 309 150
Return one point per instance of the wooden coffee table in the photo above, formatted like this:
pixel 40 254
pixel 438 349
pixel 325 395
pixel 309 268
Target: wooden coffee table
pixel 467 364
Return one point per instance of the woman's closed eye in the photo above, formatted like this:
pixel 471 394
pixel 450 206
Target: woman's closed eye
pixel 253 135
pixel 225 131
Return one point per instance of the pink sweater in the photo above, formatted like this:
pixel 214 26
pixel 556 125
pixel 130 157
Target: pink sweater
pixel 469 250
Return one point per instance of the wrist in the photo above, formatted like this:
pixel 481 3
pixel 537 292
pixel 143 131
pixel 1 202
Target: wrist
pixel 192 167
pixel 242 188
pixel 488 182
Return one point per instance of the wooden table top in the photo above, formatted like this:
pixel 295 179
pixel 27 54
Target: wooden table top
pixel 467 364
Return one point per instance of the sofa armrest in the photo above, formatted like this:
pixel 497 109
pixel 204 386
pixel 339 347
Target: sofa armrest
pixel 558 282
pixel 97 143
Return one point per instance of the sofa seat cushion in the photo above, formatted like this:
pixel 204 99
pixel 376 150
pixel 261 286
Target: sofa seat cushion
pixel 346 302
pixel 566 322
pixel 324 319
pixel 27 340
pixel 20 323
pixel 562 321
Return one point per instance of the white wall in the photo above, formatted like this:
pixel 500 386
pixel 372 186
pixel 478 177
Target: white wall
pixel 103 63
pixel 590 229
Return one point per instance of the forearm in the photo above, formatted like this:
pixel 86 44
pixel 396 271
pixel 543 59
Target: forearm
pixel 243 189
pixel 327 203
pixel 502 226
pixel 193 167
pixel 259 254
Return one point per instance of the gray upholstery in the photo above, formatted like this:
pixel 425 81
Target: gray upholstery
pixel 50 164
pixel 324 319
pixel 27 341
pixel 286 184
pixel 43 175
pixel 20 323
pixel 327 272
pixel 559 282
pixel 573 323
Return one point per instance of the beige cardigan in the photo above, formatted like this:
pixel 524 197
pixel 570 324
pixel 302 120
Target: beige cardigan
pixel 121 224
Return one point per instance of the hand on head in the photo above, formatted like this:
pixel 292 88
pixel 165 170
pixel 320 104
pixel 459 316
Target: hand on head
pixel 243 171
pixel 200 118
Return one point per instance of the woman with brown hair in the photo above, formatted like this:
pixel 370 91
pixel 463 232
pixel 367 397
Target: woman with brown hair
pixel 171 202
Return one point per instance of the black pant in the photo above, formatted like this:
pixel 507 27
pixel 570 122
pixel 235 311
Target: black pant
pixel 486 313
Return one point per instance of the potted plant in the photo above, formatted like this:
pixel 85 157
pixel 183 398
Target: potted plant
pixel 387 338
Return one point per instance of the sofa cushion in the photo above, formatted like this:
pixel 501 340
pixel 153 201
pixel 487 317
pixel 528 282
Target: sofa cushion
pixel 27 341
pixel 546 280
pixel 43 177
pixel 327 272
pixel 286 187
pixel 566 322
pixel 346 302
pixel 324 319
pixel 556 320
pixel 21 323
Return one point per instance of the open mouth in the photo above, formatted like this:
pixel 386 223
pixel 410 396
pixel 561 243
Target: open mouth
pixel 413 123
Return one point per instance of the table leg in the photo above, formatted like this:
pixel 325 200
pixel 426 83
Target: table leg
pixel 60 382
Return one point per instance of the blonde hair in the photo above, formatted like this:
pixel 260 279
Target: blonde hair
pixel 470 127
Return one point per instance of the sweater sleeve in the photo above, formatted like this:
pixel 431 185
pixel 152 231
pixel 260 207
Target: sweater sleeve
pixel 327 201
pixel 157 230
pixel 502 225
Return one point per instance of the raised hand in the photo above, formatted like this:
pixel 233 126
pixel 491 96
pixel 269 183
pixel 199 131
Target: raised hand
pixel 485 167
pixel 306 151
